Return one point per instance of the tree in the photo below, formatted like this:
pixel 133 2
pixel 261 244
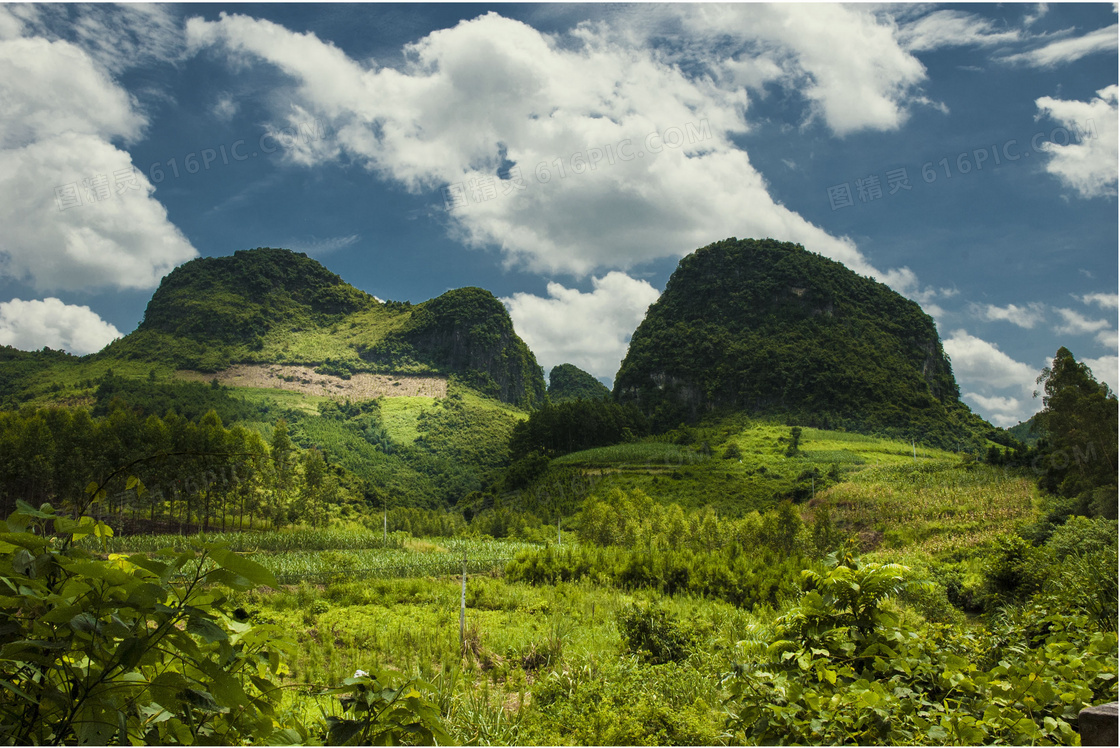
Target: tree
pixel 1079 424
pixel 283 469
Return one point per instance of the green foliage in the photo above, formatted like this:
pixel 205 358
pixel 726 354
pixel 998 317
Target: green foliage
pixel 731 575
pixel 768 328
pixel 192 400
pixel 1013 572
pixel 569 382
pixel 130 649
pixel 654 634
pixel 556 430
pixel 466 332
pixel 381 715
pixel 840 667
pixel 1078 456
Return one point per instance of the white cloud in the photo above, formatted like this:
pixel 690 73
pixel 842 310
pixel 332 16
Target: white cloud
pixel 117 37
pixel 1002 411
pixel 11 27
pixel 494 88
pixel 844 59
pixel 1105 369
pixel 1067 50
pixel 1103 300
pixel 1076 324
pixel 590 330
pixel 1088 162
pixel 75 212
pixel 1000 387
pixel 224 108
pixel 1023 316
pixel 1107 338
pixel 952 28
pixel 30 325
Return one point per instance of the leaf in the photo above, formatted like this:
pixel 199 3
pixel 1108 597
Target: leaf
pixel 206 628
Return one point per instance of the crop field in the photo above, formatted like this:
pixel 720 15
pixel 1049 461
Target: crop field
pixel 324 555
pixel 935 507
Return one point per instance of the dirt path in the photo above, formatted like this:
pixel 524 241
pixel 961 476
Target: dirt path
pixel 303 379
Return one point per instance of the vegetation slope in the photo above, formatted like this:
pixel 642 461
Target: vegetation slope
pixel 770 329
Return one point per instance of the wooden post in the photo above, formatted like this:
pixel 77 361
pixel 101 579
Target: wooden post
pixel 558 540
pixel 385 527
pixel 463 609
pixel 915 450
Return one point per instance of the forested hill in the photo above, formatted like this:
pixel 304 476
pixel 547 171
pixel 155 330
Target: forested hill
pixel 569 382
pixel 769 328
pixel 274 306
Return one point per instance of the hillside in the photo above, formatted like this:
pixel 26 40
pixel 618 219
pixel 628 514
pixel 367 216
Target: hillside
pixel 276 307
pixel 770 329
pixel 569 382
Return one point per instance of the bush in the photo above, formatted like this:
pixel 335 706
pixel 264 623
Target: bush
pixel 653 634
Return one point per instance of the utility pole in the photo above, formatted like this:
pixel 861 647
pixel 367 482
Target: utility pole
pixel 463 609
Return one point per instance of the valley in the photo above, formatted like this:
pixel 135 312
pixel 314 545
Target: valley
pixel 327 519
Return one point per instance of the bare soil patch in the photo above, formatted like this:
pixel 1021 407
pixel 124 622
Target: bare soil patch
pixel 304 379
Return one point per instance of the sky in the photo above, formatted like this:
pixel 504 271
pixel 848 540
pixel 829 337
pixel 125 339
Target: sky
pixel 566 156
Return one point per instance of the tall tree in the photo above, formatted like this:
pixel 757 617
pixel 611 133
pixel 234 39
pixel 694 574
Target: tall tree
pixel 1078 420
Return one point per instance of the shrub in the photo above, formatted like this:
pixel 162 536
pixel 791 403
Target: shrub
pixel 653 634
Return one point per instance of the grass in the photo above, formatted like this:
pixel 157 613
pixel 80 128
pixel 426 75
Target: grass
pixel 399 416
pixel 939 508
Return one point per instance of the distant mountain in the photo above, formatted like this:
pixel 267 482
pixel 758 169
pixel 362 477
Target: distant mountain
pixel 274 306
pixel 770 329
pixel 569 382
pixel 1026 432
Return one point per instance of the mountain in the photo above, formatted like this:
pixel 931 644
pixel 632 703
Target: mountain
pixel 770 329
pixel 569 382
pixel 274 306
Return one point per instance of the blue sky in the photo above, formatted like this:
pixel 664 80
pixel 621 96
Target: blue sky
pixel 566 156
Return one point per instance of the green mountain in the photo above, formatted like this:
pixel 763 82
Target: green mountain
pixel 770 329
pixel 273 306
pixel 1026 432
pixel 569 382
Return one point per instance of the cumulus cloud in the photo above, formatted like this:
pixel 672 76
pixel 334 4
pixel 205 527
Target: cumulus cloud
pixel 30 325
pixel 1067 50
pixel 590 330
pixel 1088 162
pixel 510 119
pixel 1023 316
pixel 75 213
pixel 869 88
pixel 953 28
pixel 1000 387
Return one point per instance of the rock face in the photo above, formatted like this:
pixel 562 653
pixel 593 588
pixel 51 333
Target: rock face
pixel 469 332
pixel 766 327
